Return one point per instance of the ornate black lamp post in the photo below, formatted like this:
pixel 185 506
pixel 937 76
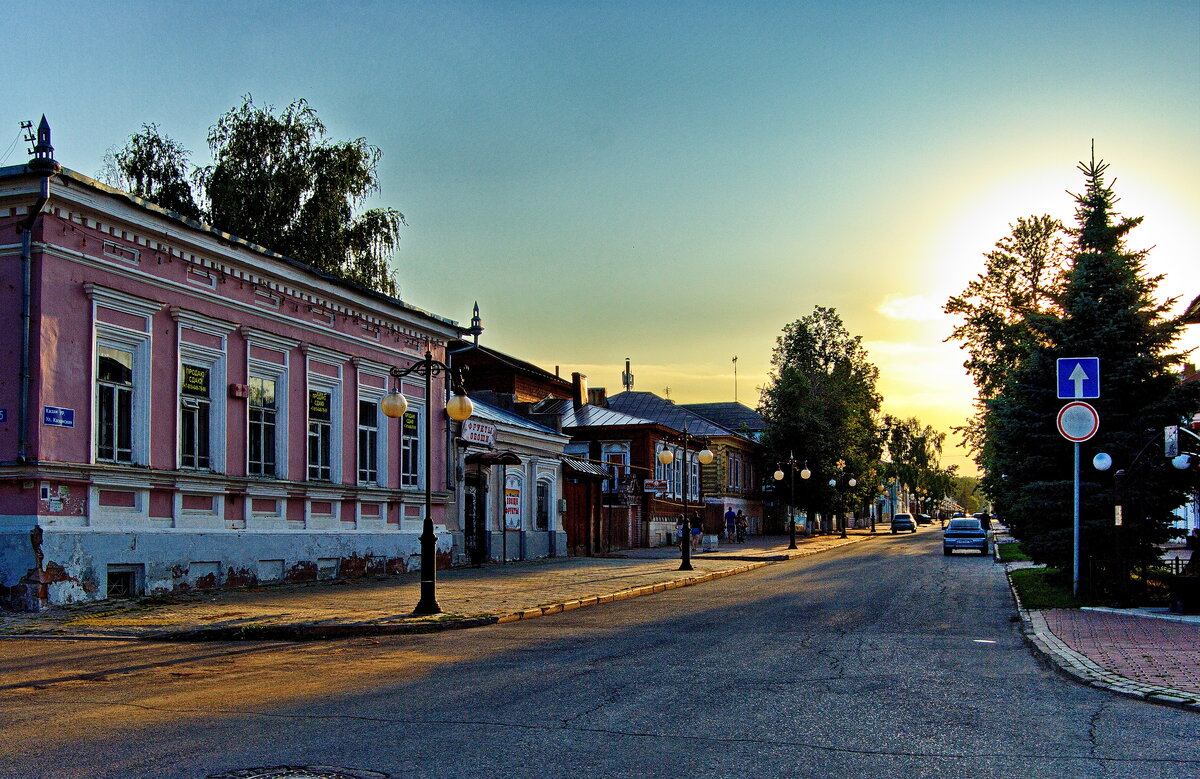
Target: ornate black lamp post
pixel 804 474
pixel 705 456
pixel 834 483
pixel 458 408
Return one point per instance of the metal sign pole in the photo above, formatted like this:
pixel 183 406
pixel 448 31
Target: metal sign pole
pixel 1075 576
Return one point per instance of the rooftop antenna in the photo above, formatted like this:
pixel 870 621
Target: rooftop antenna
pixel 735 378
pixel 627 377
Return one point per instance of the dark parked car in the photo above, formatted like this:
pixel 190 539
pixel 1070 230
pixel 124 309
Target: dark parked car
pixel 924 519
pixel 965 533
pixel 903 522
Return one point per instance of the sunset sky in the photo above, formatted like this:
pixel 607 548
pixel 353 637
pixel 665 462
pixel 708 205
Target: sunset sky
pixel 674 182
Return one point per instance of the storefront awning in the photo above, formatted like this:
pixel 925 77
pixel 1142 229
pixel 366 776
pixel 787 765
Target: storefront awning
pixel 493 458
pixel 585 468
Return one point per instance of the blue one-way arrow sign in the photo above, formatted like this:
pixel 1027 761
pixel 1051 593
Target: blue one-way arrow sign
pixel 1078 378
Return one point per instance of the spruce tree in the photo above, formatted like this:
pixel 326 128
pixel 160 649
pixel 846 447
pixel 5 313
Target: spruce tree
pixel 1108 310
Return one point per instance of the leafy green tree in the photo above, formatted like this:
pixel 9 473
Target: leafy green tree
pixel 964 491
pixel 1107 309
pixel 155 168
pixel 914 452
pixel 1022 280
pixel 820 403
pixel 278 181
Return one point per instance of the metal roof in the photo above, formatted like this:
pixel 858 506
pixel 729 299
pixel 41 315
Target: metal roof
pixel 587 416
pixel 492 413
pixel 733 416
pixel 585 467
pixel 650 406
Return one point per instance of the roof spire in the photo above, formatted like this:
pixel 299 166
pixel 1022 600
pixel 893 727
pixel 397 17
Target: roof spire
pixel 43 152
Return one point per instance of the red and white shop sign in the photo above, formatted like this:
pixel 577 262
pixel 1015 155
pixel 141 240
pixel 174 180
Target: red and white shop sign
pixel 481 433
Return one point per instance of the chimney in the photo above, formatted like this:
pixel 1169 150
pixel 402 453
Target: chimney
pixel 627 377
pixel 579 389
pixel 598 396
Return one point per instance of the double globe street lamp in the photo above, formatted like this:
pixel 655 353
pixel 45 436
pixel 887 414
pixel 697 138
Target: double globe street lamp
pixel 833 483
pixel 804 474
pixel 459 408
pixel 666 457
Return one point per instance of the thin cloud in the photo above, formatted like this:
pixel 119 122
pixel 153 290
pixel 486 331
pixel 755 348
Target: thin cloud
pixel 915 308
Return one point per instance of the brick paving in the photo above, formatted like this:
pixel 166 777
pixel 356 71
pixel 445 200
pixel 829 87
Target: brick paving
pixel 1154 652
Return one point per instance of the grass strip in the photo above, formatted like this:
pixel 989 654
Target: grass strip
pixel 1044 588
pixel 1010 553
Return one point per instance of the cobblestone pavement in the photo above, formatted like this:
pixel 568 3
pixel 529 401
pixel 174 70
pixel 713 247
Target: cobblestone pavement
pixel 468 597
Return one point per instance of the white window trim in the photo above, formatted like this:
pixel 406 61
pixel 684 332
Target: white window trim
pixel 418 407
pixel 215 361
pixel 371 394
pixel 264 369
pixel 279 374
pixel 120 301
pixel 550 479
pixel 265 340
pixel 319 382
pixel 140 343
pixel 619 447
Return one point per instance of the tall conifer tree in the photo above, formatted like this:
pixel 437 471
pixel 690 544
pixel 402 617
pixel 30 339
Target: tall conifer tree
pixel 1107 310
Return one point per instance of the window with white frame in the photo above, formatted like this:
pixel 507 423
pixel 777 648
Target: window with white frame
pixel 368 441
pixel 672 473
pixel 268 360
pixel 114 404
pixel 201 342
pixel 195 412
pixel 617 458
pixel 320 435
pixel 410 449
pixel 371 464
pixel 545 497
pixel 122 390
pixel 263 445
pixel 121 374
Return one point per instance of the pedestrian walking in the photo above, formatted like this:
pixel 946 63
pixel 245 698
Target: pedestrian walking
pixel 695 532
pixel 730 524
pixel 743 525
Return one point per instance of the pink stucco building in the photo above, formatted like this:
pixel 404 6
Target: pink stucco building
pixel 189 410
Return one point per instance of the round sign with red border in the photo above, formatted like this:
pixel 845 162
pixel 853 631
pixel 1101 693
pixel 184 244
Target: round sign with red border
pixel 1078 421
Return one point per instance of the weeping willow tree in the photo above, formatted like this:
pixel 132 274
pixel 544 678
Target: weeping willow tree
pixel 277 180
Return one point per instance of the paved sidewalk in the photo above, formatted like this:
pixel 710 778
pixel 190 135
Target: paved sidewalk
pixel 1141 653
pixel 469 597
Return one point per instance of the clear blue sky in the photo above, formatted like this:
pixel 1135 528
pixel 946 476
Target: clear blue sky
pixel 673 182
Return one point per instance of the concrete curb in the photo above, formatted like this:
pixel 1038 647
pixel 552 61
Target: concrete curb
pixel 1081 669
pixel 318 632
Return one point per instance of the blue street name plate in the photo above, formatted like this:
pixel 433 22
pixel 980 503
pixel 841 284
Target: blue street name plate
pixel 3 415
pixel 58 417
pixel 1078 378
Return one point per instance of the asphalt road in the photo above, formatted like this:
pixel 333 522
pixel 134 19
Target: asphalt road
pixel 881 659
